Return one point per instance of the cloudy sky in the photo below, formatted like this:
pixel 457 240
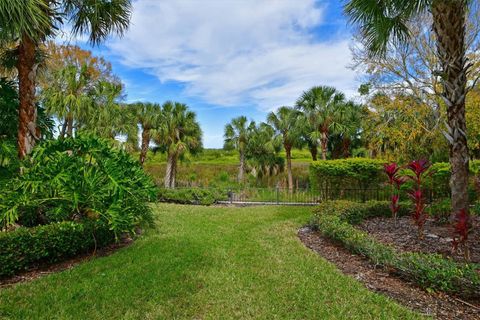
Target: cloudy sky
pixel 226 58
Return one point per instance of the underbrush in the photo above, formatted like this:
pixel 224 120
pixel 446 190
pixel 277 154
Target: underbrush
pixel 191 196
pixel 336 220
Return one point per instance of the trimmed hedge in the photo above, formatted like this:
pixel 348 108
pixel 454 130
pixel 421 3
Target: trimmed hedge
pixel 25 248
pixel 358 173
pixel 191 196
pixel 336 220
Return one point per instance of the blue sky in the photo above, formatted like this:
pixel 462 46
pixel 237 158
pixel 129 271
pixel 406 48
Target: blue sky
pixel 226 58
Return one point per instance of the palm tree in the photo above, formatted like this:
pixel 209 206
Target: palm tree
pixel 351 125
pixel 31 22
pixel 262 150
pixel 177 133
pixel 321 107
pixel 236 137
pixel 286 123
pixel 382 22
pixel 148 116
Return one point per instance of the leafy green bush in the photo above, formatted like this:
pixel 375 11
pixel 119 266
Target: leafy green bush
pixel 354 172
pixel 191 196
pixel 440 210
pixel 336 219
pixel 25 248
pixel 75 179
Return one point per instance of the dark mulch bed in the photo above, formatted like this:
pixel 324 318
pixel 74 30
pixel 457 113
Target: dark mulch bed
pixel 438 238
pixel 438 305
pixel 43 270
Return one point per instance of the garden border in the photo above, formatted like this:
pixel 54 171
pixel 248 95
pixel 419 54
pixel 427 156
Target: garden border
pixel 336 220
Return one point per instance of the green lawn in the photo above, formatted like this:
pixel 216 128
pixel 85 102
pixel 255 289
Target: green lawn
pixel 205 263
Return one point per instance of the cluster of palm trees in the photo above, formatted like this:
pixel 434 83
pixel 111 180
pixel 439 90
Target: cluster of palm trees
pixel 24 28
pixel 320 116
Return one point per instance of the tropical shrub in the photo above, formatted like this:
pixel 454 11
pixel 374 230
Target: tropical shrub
pixel 336 220
pixel 357 173
pixel 191 195
pixel 78 179
pixel 25 248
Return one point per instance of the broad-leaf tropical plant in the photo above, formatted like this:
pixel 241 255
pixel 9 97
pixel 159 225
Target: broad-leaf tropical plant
pixel 384 22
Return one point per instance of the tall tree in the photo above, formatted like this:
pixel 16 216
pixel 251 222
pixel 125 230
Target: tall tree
pixel 321 107
pixel 178 133
pixel 148 117
pixel 236 137
pixel 385 22
pixel 31 22
pixel 286 123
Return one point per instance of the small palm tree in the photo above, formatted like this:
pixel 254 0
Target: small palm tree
pixel 383 22
pixel 286 123
pixel 31 22
pixel 148 116
pixel 177 133
pixel 236 137
pixel 321 107
pixel 351 122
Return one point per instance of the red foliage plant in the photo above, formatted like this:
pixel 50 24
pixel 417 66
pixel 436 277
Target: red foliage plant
pixel 461 229
pixel 419 215
pixel 396 182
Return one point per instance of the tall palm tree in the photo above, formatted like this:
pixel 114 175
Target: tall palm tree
pixel 384 21
pixel 351 125
pixel 31 22
pixel 286 123
pixel 236 136
pixel 67 98
pixel 148 116
pixel 321 107
pixel 177 133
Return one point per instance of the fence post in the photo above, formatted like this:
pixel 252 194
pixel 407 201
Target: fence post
pixel 277 191
pixel 230 195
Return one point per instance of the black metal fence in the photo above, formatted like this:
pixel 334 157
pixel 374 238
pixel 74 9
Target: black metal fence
pixel 312 197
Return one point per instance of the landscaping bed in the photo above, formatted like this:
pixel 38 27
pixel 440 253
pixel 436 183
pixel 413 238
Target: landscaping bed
pixel 338 221
pixel 438 305
pixel 438 238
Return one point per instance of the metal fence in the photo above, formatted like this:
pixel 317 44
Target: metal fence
pixel 312 197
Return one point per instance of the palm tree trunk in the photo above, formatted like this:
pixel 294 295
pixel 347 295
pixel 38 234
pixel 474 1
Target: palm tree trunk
pixel 324 143
pixel 168 172
pixel 64 129
pixel 288 152
pixel 449 27
pixel 346 142
pixel 241 169
pixel 145 143
pixel 173 174
pixel 313 152
pixel 27 113
pixel 69 126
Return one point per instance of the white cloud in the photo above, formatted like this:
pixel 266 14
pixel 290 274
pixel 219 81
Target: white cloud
pixel 235 52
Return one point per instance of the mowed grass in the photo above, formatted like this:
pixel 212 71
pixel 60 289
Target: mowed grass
pixel 205 263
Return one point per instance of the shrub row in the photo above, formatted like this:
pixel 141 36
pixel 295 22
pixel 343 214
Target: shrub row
pixel 360 173
pixel 191 196
pixel 25 248
pixel 336 220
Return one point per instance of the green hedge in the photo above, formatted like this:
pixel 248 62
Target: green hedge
pixel 431 271
pixel 25 248
pixel 360 173
pixel 191 196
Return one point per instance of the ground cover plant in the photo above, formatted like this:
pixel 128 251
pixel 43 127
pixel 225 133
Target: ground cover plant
pixel 337 221
pixel 209 263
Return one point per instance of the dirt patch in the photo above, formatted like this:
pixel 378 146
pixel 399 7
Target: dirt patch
pixel 437 239
pixel 438 305
pixel 43 270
